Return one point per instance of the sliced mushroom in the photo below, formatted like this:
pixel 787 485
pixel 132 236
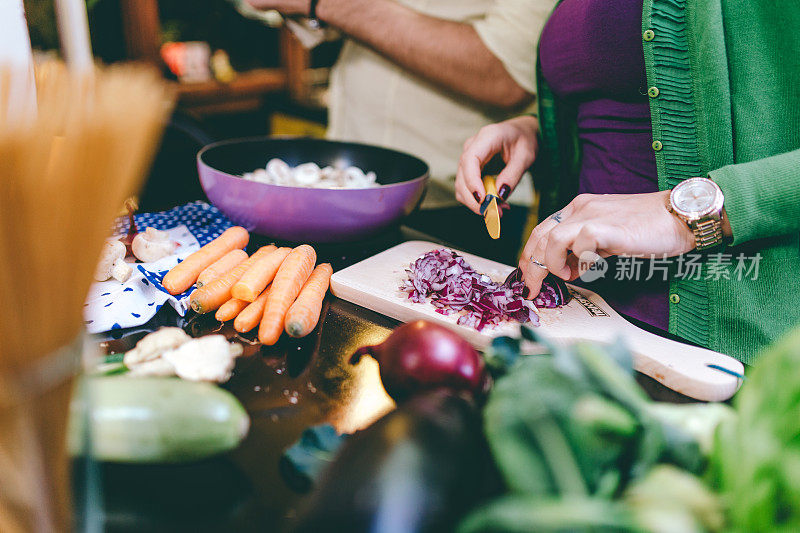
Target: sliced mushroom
pixel 306 174
pixel 279 171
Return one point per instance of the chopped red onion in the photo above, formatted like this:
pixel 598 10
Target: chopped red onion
pixel 455 287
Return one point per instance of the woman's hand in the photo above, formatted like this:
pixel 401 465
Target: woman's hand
pixel 516 139
pixel 603 224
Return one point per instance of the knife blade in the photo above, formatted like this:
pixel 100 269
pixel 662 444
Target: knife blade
pixel 489 209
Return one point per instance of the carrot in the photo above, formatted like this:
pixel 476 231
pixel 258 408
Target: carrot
pixel 184 274
pixel 303 315
pixel 251 316
pixel 221 266
pixel 230 309
pixel 258 276
pixel 216 293
pixel 285 287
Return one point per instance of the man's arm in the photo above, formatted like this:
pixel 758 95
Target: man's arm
pixel 450 54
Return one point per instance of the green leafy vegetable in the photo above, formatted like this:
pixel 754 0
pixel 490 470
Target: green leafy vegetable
pixel 305 459
pixel 111 365
pixel 756 460
pixel 502 353
pixel 578 419
pixel 572 431
pixel 525 513
pixel 669 499
pixel 698 420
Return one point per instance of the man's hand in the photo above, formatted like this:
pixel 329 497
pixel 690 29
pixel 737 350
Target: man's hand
pixel 515 139
pixel 285 7
pixel 606 225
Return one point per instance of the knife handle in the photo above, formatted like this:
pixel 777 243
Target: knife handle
pixel 490 185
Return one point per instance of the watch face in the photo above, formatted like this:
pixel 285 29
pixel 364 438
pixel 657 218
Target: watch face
pixel 695 197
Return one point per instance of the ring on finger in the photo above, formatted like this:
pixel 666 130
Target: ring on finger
pixel 557 217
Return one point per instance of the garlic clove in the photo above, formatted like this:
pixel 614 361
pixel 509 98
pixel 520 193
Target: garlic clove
pixel 121 271
pixel 112 250
pixel 209 358
pixel 154 367
pixel 152 345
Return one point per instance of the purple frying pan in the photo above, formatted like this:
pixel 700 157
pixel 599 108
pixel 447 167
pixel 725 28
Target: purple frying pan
pixel 300 214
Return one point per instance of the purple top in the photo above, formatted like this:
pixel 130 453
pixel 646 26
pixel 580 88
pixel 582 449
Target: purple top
pixel 591 56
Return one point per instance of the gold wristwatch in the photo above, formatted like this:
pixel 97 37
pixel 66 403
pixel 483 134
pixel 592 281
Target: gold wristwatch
pixel 698 202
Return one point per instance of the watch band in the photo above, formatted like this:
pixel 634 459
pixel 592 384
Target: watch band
pixel 313 21
pixel 708 232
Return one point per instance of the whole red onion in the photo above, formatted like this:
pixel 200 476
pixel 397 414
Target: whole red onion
pixel 421 356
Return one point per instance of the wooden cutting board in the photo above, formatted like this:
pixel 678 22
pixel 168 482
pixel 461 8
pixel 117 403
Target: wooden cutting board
pixel 696 372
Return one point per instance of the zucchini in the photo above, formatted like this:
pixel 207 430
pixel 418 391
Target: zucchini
pixel 154 420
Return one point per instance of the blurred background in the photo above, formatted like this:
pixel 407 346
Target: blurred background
pixel 236 77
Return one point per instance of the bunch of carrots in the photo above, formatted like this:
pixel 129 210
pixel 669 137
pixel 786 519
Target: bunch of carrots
pixel 275 289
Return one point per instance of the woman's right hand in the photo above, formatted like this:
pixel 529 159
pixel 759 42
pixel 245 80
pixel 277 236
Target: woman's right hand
pixel 516 139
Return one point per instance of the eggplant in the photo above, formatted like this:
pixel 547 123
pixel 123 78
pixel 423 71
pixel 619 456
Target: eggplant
pixel 419 468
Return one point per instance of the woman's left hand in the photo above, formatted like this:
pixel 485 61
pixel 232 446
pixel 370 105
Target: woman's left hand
pixel 606 225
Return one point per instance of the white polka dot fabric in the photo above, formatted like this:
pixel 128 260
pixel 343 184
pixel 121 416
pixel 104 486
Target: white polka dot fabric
pixel 112 305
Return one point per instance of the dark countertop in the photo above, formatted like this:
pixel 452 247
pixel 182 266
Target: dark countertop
pixel 284 388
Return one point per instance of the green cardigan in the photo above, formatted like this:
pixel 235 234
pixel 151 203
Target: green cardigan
pixel 727 107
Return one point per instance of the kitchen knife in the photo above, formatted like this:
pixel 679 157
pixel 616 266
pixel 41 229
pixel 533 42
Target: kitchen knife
pixel 489 209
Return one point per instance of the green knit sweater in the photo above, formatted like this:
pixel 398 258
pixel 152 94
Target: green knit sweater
pixel 727 107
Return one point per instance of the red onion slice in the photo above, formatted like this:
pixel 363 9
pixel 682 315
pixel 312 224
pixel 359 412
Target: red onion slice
pixel 453 286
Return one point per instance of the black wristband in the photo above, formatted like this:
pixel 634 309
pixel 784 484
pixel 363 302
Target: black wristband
pixel 313 21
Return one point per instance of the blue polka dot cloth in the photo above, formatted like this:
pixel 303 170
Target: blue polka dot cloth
pixel 114 305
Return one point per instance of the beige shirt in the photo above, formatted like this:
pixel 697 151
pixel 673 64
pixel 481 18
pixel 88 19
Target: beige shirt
pixel 372 100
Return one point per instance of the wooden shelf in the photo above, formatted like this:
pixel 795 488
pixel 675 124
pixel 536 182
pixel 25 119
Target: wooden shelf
pixel 246 85
pixel 142 30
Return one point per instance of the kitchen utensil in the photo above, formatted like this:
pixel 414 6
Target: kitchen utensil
pixel 489 209
pixel 696 372
pixel 301 214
